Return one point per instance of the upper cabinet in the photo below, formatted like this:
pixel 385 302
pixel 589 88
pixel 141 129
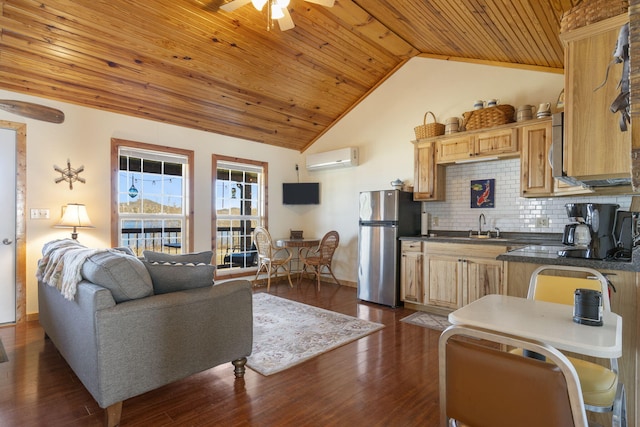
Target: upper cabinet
pixel 595 147
pixel 536 178
pixel 535 170
pixel 497 142
pixel 429 178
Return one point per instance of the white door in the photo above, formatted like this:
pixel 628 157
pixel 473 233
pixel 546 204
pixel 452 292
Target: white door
pixel 8 226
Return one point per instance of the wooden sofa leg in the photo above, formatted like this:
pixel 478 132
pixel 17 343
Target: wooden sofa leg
pixel 239 367
pixel 112 415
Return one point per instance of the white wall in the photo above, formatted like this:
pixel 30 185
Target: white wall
pixel 85 138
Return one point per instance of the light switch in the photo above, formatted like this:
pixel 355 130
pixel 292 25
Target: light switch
pixel 39 213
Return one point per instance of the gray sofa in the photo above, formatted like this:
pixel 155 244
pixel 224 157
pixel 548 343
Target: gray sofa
pixel 120 347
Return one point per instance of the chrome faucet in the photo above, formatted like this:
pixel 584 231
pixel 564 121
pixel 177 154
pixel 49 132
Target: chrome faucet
pixel 481 220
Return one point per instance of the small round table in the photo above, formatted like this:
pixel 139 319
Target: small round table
pixel 297 243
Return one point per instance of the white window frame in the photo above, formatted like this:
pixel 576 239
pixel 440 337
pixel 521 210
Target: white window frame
pixel 259 218
pixel 156 153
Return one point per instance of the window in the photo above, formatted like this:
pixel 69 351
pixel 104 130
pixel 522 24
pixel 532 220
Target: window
pixel 238 193
pixel 152 197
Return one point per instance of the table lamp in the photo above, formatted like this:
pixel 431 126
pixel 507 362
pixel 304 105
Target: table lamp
pixel 75 216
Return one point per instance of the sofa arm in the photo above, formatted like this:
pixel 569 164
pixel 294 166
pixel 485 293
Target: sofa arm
pixel 70 324
pixel 146 343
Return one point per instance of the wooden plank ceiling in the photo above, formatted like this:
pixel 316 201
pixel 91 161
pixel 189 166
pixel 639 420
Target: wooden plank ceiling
pixel 188 63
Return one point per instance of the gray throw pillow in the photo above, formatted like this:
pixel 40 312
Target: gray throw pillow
pixel 173 277
pixel 124 275
pixel 195 257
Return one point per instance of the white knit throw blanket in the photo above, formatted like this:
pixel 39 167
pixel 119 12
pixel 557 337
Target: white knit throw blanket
pixel 61 265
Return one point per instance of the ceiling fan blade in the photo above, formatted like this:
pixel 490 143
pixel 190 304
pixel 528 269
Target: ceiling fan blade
pixel 326 3
pixel 234 4
pixel 210 6
pixel 286 22
pixel 32 111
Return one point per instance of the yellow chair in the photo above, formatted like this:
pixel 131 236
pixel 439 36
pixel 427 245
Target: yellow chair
pixel 601 389
pixel 481 385
pixel 322 256
pixel 270 258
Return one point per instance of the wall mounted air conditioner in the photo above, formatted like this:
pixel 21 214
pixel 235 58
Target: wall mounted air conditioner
pixel 344 157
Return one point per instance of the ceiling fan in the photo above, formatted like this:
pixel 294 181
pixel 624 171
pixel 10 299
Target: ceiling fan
pixel 276 10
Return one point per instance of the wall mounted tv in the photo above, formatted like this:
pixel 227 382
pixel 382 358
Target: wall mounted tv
pixel 301 193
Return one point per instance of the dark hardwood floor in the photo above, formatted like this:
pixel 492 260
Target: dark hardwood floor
pixel 389 378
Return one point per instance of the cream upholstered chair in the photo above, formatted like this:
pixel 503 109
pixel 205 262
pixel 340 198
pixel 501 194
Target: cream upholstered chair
pixel 322 256
pixel 270 258
pixel 601 389
pixel 481 385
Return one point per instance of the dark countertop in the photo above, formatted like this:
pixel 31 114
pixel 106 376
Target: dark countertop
pixel 537 248
pixel 543 254
pixel 507 238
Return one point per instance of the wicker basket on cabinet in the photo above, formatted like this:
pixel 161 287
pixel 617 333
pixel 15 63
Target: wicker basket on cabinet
pixel 488 117
pixel 428 130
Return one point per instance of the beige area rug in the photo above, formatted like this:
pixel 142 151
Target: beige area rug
pixel 3 354
pixel 427 320
pixel 287 333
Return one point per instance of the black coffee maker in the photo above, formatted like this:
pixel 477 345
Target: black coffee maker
pixel 591 233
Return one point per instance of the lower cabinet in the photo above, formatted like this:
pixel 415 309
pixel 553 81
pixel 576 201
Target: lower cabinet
pixel 450 275
pixel 411 272
pixel 444 279
pixel 455 281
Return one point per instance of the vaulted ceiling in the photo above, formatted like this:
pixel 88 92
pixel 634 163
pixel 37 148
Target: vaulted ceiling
pixel 189 63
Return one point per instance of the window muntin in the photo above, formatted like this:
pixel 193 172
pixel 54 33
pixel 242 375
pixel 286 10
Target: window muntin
pixel 152 200
pixel 239 208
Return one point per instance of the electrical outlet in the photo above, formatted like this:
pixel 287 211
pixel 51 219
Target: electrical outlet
pixel 435 221
pixel 39 213
pixel 542 221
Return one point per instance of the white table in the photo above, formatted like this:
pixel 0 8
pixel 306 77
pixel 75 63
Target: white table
pixel 543 321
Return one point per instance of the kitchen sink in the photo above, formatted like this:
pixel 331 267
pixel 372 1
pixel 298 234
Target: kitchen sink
pixel 476 237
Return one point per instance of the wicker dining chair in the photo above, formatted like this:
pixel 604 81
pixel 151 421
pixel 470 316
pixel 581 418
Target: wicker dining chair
pixel 270 257
pixel 321 256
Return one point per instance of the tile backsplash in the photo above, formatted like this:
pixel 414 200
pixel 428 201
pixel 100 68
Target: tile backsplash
pixel 511 213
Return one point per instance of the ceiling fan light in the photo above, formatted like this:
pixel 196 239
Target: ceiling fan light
pixel 258 4
pixel 276 12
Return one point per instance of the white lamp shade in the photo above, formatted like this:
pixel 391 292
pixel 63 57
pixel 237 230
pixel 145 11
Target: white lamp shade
pixel 74 215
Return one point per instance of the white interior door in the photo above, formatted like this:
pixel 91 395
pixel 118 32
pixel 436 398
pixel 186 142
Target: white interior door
pixel 8 226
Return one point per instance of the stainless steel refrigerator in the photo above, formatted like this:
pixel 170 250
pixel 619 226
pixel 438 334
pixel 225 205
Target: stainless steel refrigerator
pixel 384 216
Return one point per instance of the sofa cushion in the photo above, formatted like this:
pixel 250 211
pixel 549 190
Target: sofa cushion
pixel 195 257
pixel 125 249
pixel 172 276
pixel 124 275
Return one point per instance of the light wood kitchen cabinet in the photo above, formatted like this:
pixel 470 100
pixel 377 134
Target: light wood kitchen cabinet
pixel 483 277
pixel 497 142
pixel 411 271
pixel 429 178
pixel 451 149
pixel 444 281
pixel 536 178
pixel 595 147
pixel 535 171
pixel 457 274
